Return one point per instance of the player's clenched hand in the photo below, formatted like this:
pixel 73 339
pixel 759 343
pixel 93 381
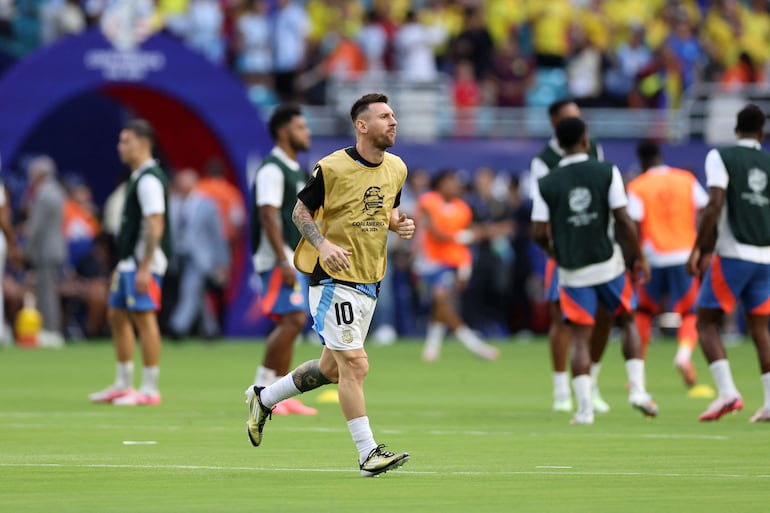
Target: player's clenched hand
pixel 641 270
pixel 698 262
pixel 142 280
pixel 288 276
pixel 334 257
pixel 405 227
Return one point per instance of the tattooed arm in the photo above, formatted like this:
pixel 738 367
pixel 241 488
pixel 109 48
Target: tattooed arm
pixel 303 219
pixel 334 258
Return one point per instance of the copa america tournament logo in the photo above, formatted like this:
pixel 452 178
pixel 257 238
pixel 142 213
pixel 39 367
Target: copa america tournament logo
pixel 757 182
pixel 126 24
pixel 579 199
pixel 373 200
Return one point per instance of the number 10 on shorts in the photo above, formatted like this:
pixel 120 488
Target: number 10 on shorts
pixel 344 313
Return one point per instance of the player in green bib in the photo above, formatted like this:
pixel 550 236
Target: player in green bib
pixel 144 248
pixel 558 334
pixel 273 239
pixel 732 251
pixel 574 211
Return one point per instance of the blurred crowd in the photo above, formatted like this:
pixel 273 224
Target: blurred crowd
pixel 67 252
pixel 508 53
pixel 66 246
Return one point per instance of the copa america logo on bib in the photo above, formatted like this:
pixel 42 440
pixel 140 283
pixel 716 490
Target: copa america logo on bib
pixel 579 199
pixel 757 180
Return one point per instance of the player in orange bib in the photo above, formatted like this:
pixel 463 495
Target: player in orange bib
pixel 664 202
pixel 444 264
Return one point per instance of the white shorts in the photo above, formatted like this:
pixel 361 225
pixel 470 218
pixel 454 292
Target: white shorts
pixel 341 315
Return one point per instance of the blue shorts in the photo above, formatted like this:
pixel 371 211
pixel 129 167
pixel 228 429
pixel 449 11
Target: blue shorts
pixel 578 304
pixel 123 294
pixel 729 280
pixel 671 283
pixel 278 299
pixel 440 277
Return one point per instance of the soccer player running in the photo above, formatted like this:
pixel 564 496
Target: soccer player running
pixel 444 264
pixel 558 333
pixel 733 250
pixel 664 202
pixel 144 247
pixel 572 212
pixel 344 214
pixel 273 239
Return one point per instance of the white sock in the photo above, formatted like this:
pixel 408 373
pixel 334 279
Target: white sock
pixel 150 377
pixel 561 389
pixel 635 373
pixel 469 339
pixel 278 391
pixel 265 376
pixel 683 354
pixel 582 387
pixel 595 370
pixel 362 436
pixel 434 337
pixel 766 385
pixel 720 369
pixel 124 375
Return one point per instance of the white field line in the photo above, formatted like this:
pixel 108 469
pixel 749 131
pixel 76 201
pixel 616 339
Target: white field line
pixel 398 432
pixel 550 472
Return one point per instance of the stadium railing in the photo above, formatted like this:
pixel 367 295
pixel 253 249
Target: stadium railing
pixel 426 112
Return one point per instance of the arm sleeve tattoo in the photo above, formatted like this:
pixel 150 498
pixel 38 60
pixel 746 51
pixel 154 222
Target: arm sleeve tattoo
pixel 306 225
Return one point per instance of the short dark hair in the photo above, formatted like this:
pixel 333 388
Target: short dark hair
pixel 363 103
pixel 569 131
pixel 751 120
pixel 647 150
pixel 142 128
pixel 556 106
pixel 282 116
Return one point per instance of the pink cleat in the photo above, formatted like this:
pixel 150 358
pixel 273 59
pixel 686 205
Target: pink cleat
pixel 720 406
pixel 430 355
pixel 294 405
pixel 762 415
pixel 138 399
pixel 281 409
pixel 109 394
pixel 487 352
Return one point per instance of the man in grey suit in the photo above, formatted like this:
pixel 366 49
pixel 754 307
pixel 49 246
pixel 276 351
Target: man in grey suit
pixel 46 247
pixel 200 250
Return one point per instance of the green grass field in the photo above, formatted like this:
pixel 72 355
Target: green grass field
pixel 480 434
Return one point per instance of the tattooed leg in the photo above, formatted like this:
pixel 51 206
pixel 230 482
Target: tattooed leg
pixel 308 376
